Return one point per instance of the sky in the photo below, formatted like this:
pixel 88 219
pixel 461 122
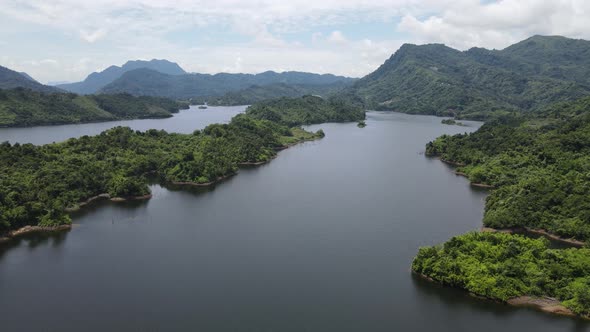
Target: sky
pixel 65 40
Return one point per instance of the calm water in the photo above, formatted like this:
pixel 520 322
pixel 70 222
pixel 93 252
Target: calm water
pixel 320 239
pixel 185 121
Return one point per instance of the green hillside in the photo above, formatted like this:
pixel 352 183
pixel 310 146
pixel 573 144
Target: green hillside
pixel 22 107
pixel 438 80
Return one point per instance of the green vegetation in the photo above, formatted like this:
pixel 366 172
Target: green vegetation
pixel 257 93
pixel 452 122
pixel 540 166
pixel 305 110
pixel 503 266
pixel 361 124
pixel 478 83
pixel 10 79
pixel 39 183
pixel 22 107
pixel 148 82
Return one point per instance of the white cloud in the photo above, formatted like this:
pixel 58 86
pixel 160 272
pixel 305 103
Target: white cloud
pixel 92 36
pixel 106 32
pixel 337 37
pixel 469 23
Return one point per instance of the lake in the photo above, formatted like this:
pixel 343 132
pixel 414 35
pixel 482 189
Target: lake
pixel 185 121
pixel 319 239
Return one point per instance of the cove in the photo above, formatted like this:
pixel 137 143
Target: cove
pixel 319 239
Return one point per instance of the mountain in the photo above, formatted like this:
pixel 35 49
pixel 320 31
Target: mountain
pixel 96 81
pixel 152 83
pixel 27 76
pixel 258 93
pixel 23 107
pixel 10 79
pixel 436 79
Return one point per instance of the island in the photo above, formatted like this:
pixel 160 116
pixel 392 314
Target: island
pixel 41 185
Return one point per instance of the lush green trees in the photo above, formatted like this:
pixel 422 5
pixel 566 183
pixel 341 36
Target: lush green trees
pixel 305 110
pixel 478 83
pixel 540 167
pixel 39 183
pixel 22 107
pixel 539 164
pixel 503 266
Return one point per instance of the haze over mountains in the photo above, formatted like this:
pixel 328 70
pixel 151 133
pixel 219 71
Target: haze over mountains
pixel 436 79
pixel 96 81
pixel 10 79
pixel 425 79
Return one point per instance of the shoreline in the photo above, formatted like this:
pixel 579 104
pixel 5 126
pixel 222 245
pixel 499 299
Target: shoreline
pixel 541 303
pixel 535 231
pixel 105 196
pixel 33 229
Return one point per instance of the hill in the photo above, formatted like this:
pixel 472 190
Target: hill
pixel 305 110
pixel 436 79
pixel 96 81
pixel 10 79
pixel 152 83
pixel 22 107
pixel 257 93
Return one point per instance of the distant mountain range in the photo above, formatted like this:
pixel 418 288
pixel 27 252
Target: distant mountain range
pixel 10 79
pixel 258 93
pixel 167 79
pixel 149 82
pixel 427 79
pixel 96 81
pixel 436 79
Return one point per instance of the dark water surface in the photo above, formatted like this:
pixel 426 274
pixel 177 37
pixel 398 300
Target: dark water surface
pixel 185 121
pixel 320 239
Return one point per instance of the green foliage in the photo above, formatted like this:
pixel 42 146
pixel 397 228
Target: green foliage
pixel 147 82
pixel 503 266
pixel 540 166
pixel 479 83
pixel 305 110
pixel 257 93
pixel 39 183
pixel 21 107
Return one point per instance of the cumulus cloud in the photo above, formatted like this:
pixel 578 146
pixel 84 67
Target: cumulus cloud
pixel 92 36
pixel 130 29
pixel 469 23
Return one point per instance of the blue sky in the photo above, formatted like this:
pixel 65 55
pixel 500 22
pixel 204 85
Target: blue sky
pixel 65 40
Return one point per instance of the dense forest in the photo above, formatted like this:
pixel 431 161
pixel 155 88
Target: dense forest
pixel 39 183
pixel 23 107
pixel 148 82
pixel 478 83
pixel 305 110
pixel 503 266
pixel 259 93
pixel 539 165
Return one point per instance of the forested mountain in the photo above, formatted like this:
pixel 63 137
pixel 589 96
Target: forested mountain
pixel 23 107
pixel 152 83
pixel 96 81
pixel 258 93
pixel 305 110
pixel 436 79
pixel 10 79
pixel 27 76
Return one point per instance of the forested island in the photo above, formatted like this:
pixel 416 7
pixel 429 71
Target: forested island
pixel 40 184
pixel 22 107
pixel 539 167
